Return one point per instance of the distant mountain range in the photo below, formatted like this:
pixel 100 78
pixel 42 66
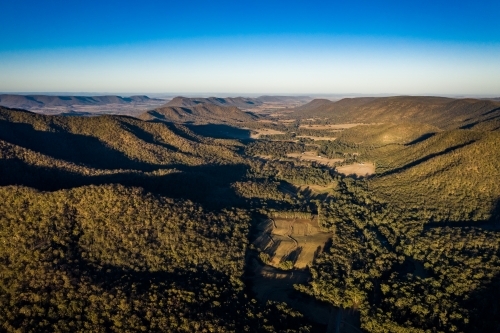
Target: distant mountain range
pixel 284 99
pixel 443 112
pixel 183 109
pixel 39 101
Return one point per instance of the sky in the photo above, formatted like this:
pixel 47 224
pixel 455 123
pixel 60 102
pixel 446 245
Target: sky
pixel 250 47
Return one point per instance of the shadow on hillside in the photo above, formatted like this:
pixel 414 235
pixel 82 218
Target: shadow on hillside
pixel 495 213
pixel 208 183
pixel 492 224
pixel 139 285
pixel 484 308
pixel 147 137
pixel 425 159
pixel 179 131
pixel 220 131
pixel 471 125
pixel 491 111
pixel 75 148
pixel 421 139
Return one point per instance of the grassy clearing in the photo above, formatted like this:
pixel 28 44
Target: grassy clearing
pixel 312 156
pixel 318 189
pixel 257 133
pixel 332 126
pixel 358 169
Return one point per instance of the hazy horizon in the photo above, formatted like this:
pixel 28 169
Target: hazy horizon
pixel 242 94
pixel 281 48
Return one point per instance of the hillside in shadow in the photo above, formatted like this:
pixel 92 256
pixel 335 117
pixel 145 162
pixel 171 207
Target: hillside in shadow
pixel 220 131
pixel 198 112
pixel 109 142
pixel 485 308
pixel 206 183
pixel 74 148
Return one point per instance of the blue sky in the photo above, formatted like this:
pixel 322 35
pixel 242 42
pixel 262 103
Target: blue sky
pixel 323 47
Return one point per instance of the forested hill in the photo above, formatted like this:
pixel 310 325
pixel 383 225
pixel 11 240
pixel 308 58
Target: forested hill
pixel 116 224
pixel 228 101
pixel 39 101
pixel 56 152
pixel 203 112
pixel 104 142
pixel 443 112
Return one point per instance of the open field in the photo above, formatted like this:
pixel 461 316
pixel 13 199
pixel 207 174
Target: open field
pixel 257 133
pixel 317 189
pixel 312 156
pixel 265 157
pixel 276 121
pixel 358 169
pixel 332 126
pixel 273 109
pixel 295 240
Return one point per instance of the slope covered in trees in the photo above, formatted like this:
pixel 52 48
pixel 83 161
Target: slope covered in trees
pixel 108 258
pixel 450 176
pixel 109 142
pixel 54 152
pixel 402 274
pixel 439 175
pixel 437 111
pixel 118 243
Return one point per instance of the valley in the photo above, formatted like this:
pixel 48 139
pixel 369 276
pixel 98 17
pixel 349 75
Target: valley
pixel 273 214
pixel 249 167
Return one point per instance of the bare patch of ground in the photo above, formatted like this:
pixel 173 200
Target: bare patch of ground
pixel 313 156
pixel 274 109
pixel 257 133
pixel 276 121
pixel 277 237
pixel 265 157
pixel 267 121
pixel 358 169
pixel 332 126
pixel 296 240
